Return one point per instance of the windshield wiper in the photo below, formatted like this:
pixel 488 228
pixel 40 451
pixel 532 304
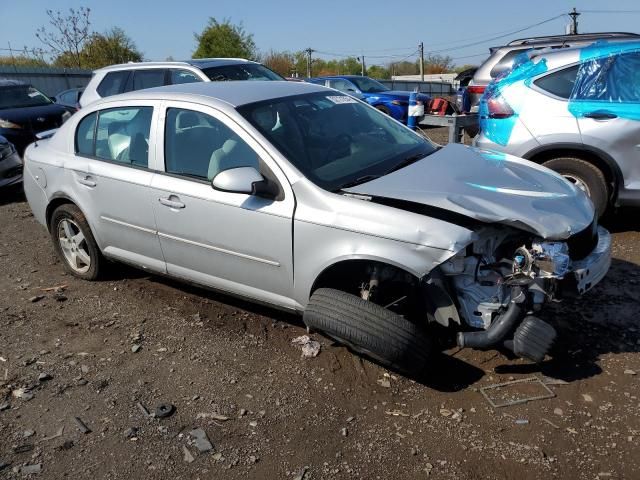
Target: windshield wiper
pixel 357 181
pixel 407 161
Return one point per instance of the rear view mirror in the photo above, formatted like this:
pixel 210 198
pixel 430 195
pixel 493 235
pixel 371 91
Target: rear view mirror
pixel 245 180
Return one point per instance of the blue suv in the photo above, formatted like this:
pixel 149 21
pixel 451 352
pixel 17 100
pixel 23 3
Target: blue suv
pixel 392 102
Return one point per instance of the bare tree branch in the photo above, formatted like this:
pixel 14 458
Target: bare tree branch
pixel 68 33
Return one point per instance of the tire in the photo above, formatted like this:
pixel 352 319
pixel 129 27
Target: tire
pixel 369 329
pixel 72 239
pixel 383 109
pixel 586 176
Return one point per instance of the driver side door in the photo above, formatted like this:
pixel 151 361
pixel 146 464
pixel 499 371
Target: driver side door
pixel 233 242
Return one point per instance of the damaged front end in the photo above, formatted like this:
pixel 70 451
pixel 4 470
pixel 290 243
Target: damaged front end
pixel 505 277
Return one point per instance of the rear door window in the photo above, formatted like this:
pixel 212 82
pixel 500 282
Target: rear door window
pixel 148 78
pixel 113 83
pixel 342 85
pixel 122 135
pixel 183 76
pixel 559 83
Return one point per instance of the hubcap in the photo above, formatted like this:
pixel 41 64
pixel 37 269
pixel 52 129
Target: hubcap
pixel 578 182
pixel 74 246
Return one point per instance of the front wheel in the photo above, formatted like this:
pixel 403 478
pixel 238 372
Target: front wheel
pixel 586 176
pixel 74 242
pixel 369 329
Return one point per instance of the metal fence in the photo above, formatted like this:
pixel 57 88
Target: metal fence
pixel 52 81
pixel 49 81
pixel 431 88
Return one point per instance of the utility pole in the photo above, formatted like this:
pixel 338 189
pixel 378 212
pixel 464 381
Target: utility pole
pixel 421 48
pixel 363 68
pixel 309 51
pixel 574 21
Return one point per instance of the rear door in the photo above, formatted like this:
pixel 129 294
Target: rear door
pixel 607 105
pixel 546 114
pixel 116 184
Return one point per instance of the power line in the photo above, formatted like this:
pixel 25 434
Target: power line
pixel 611 11
pixel 513 32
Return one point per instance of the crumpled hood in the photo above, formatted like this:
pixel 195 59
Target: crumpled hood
pixel 490 187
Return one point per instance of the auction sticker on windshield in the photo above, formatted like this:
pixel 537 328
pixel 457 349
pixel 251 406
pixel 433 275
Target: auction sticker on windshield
pixel 342 99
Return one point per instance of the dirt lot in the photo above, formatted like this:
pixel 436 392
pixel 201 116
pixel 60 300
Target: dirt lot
pixel 330 417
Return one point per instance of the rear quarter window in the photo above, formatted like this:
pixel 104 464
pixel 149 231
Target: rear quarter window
pixel 85 135
pixel 559 83
pixel 113 83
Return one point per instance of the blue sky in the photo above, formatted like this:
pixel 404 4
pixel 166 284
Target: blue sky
pixel 378 29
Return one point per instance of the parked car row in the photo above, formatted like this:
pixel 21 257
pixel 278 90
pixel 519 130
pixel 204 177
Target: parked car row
pixel 319 201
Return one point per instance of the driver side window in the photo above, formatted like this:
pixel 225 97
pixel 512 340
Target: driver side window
pixel 200 146
pixel 342 85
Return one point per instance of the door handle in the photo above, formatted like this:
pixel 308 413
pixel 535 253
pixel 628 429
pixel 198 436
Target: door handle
pixel 172 201
pixel 87 180
pixel 601 115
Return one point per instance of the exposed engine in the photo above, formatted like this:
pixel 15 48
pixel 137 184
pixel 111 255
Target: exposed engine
pixel 501 278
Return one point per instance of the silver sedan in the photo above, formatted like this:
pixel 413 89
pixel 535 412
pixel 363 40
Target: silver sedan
pixel 309 200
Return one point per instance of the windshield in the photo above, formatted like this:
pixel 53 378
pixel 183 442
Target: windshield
pixel 366 85
pixel 335 140
pixel 16 96
pixel 241 71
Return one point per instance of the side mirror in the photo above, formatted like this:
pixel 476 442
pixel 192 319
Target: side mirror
pixel 245 180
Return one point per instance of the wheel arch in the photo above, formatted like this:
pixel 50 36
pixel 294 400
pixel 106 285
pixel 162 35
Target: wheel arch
pixel 598 158
pixel 63 199
pixel 345 269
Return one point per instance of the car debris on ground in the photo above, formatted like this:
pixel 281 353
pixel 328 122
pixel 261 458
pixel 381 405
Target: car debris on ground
pixel 310 348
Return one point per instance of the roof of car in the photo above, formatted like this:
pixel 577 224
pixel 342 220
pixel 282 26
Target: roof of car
pixel 234 93
pixel 7 82
pixel 338 76
pixel 558 57
pixel 581 37
pixel 194 62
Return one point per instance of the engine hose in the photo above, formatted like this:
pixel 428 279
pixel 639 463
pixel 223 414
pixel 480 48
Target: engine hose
pixel 500 327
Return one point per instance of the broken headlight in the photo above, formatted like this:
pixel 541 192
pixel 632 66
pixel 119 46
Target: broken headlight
pixel 544 259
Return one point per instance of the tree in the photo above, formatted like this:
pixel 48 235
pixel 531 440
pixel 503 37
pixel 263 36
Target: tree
pixel 376 71
pixel 283 63
pixel 109 48
pixel 68 35
pixel 224 40
pixel 437 64
pixel 22 61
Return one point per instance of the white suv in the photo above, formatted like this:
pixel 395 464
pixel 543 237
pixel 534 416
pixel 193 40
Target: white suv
pixel 137 76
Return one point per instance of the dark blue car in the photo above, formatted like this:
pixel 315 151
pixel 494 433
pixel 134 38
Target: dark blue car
pixel 392 102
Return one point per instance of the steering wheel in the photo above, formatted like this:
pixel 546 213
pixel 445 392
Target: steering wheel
pixel 342 140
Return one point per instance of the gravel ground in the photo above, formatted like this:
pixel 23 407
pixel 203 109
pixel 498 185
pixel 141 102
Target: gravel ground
pixel 100 351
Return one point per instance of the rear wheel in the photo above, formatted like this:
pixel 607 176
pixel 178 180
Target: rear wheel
pixel 74 242
pixel 586 176
pixel 369 329
pixel 383 109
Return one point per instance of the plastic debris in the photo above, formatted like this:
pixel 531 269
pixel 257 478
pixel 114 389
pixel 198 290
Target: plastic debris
pixel 213 416
pixel 55 435
pixel 188 457
pixel 546 392
pixel 31 469
pixel 310 348
pixel 81 425
pixel 165 410
pixel 301 473
pixel 201 440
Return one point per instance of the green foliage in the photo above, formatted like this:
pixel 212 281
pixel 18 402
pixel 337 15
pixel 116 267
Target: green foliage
pixel 102 49
pixel 109 48
pixel 23 61
pixel 376 71
pixel 224 39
